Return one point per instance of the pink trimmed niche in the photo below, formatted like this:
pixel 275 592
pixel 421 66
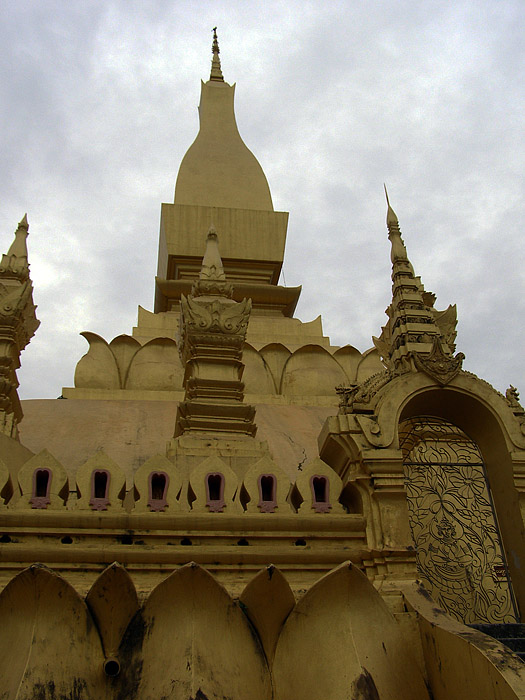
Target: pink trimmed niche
pixel 320 487
pixel 100 479
pixel 267 484
pixel 215 491
pixel 158 483
pixel 41 486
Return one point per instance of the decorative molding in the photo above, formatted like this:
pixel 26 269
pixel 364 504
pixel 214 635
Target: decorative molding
pixel 439 365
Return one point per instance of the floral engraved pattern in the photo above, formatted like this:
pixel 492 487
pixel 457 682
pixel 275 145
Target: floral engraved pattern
pixel 458 548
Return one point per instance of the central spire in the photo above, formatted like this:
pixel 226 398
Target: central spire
pixel 216 72
pixel 218 169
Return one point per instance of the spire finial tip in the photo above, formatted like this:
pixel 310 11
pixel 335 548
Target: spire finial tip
pixel 386 194
pixel 391 216
pixel 216 72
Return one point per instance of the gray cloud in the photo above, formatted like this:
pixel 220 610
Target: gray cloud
pixel 99 106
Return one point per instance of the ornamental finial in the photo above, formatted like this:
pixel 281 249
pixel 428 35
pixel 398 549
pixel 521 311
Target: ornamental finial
pixel 398 251
pixel 392 221
pixel 216 72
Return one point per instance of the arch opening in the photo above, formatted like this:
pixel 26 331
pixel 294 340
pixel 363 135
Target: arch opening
pixel 320 494
pixel 158 491
pixel 41 486
pixel 100 479
pixel 215 492
pixel 458 545
pixel 267 493
pixel 484 421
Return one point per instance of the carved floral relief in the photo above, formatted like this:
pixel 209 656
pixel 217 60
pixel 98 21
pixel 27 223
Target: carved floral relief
pixel 459 553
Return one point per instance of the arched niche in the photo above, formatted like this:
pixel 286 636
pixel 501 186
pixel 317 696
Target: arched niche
pixel 319 488
pixel 482 420
pixel 156 367
pixel 312 371
pixel 148 478
pixel 256 376
pixel 43 483
pixel 353 497
pixel 215 487
pixel 275 356
pixel 90 475
pixel 268 488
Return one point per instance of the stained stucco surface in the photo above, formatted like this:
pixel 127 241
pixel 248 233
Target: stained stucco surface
pixel 130 432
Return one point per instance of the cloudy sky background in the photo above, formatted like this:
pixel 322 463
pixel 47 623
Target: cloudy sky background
pixel 99 104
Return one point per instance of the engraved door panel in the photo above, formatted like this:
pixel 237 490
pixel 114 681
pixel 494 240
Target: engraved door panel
pixel 458 546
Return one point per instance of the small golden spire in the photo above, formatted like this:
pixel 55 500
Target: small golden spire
pixel 15 261
pixel 398 251
pixel 216 72
pixel 212 267
pixel 18 247
pixel 391 217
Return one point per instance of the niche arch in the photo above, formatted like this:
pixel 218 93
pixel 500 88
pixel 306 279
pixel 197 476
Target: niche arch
pixel 145 481
pixel 483 416
pixel 42 484
pixel 101 484
pixel 458 544
pixel 356 442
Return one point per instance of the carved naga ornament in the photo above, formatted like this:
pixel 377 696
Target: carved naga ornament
pixel 216 316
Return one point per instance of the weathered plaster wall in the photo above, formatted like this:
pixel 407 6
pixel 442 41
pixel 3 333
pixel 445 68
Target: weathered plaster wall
pixel 130 432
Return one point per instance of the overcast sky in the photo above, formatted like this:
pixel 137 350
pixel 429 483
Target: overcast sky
pixel 99 104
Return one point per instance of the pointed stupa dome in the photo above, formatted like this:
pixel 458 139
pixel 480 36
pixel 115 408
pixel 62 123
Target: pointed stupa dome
pixel 219 170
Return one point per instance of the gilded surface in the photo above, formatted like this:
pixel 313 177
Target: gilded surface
pixel 459 553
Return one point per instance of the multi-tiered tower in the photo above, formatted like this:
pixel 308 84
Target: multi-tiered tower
pixel 228 506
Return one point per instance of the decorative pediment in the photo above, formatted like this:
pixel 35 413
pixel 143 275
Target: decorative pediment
pixel 157 483
pixel 43 484
pixel 215 487
pixel 268 487
pixel 440 366
pixel 319 487
pixel 101 484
